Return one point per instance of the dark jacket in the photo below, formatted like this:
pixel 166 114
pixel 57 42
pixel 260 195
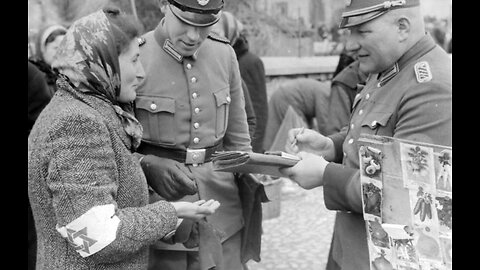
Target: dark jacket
pixel 252 71
pixel 38 98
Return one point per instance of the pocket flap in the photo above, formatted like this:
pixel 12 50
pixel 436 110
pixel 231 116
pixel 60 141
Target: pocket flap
pixel 222 96
pixel 376 118
pixel 155 104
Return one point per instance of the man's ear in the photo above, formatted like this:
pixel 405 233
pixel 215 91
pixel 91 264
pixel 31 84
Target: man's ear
pixel 404 27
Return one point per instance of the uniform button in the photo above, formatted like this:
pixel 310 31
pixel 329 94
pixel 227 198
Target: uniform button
pixel 197 110
pixel 360 112
pixel 196 125
pixel 196 140
pixel 153 106
pixel 189 66
pixel 350 141
pixel 344 154
pixel 367 96
pixel 193 80
pixel 374 123
pixel 229 99
pixel 351 126
pixel 194 95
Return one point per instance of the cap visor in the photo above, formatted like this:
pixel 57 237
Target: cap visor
pixel 357 20
pixel 195 19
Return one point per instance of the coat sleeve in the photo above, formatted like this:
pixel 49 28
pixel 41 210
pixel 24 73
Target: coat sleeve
pixel 236 136
pixel 423 114
pixel 251 117
pixel 83 174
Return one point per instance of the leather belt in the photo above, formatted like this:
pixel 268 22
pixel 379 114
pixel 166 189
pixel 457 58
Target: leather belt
pixel 189 156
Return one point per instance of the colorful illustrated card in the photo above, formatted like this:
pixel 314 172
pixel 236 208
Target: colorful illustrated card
pixel 422 204
pixel 378 236
pixel 443 171
pixel 443 206
pixel 370 162
pixel 446 247
pixel 371 198
pixel 427 244
pixel 381 258
pixel 405 253
pixel 417 165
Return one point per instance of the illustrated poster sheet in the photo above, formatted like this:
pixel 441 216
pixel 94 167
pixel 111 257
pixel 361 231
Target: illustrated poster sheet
pixel 407 203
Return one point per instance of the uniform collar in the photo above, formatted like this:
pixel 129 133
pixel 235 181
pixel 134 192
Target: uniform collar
pixel 161 37
pixel 424 45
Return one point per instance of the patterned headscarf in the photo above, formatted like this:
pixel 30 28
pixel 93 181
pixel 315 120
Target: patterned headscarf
pixel 89 58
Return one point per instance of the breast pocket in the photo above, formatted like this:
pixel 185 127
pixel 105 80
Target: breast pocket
pixel 222 100
pixel 157 115
pixel 377 123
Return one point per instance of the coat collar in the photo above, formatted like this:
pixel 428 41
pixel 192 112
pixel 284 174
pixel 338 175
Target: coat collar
pixel 163 41
pixel 424 45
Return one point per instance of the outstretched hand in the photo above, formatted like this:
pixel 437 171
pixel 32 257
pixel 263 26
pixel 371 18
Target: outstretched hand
pixel 195 210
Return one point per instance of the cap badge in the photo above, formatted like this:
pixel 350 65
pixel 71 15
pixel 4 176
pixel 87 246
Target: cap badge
pixel 348 2
pixel 422 72
pixel 203 2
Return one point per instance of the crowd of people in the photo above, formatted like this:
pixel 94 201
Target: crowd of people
pixel 122 126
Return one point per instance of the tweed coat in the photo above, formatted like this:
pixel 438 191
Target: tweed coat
pixel 403 104
pixel 78 158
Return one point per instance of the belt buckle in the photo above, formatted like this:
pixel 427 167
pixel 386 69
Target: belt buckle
pixel 195 156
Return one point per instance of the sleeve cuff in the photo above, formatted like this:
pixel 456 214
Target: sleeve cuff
pixel 338 139
pixel 341 188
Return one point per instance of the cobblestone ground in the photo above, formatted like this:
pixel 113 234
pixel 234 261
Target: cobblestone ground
pixel 299 239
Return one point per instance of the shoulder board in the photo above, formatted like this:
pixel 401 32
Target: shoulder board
pixel 141 41
pixel 423 72
pixel 218 38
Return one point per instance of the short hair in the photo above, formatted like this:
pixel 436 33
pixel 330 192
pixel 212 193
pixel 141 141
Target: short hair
pixel 125 27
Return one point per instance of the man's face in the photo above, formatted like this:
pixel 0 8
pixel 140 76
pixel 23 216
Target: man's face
pixel 376 44
pixel 185 38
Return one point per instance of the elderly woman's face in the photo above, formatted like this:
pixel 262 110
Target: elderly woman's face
pixel 376 44
pixel 131 72
pixel 51 49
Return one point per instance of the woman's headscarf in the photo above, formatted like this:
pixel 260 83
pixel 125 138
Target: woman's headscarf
pixel 89 58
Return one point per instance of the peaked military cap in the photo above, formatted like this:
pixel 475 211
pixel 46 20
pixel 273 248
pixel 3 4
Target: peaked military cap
pixel 201 13
pixel 361 11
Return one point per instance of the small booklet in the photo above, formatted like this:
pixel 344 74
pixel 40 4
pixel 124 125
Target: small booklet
pixel 250 162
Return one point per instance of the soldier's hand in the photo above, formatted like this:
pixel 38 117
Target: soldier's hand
pixel 170 179
pixel 308 172
pixel 308 140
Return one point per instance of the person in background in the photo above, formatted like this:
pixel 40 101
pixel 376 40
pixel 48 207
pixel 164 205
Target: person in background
pixel 38 97
pixel 48 40
pixel 189 112
pixel 253 73
pixel 229 27
pixel 88 193
pixel 407 95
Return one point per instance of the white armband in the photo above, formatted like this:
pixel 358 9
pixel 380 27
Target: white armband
pixel 92 231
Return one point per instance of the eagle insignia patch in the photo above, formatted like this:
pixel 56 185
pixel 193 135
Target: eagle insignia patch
pixel 423 72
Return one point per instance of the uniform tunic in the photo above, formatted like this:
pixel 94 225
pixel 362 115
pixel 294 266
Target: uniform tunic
pixel 394 104
pixel 196 102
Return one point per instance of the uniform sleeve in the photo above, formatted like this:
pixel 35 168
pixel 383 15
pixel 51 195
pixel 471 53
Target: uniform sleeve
pixel 236 136
pixel 82 176
pixel 251 117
